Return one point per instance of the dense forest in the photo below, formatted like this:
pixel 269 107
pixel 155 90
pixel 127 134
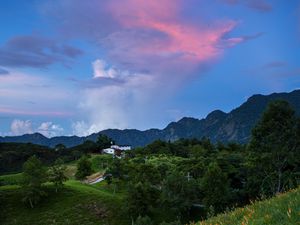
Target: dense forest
pixel 181 181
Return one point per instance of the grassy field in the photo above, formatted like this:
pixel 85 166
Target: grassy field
pixel 11 179
pixel 283 209
pixel 76 204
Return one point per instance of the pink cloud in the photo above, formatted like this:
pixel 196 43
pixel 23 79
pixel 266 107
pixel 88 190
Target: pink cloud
pixel 143 35
pixel 146 48
pixel 168 35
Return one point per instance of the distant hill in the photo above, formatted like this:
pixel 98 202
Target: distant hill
pixel 218 126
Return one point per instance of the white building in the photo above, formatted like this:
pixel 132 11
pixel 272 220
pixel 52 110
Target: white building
pixel 116 149
pixel 122 148
pixel 110 151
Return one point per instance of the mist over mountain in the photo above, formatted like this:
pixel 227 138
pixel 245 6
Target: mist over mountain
pixel 218 126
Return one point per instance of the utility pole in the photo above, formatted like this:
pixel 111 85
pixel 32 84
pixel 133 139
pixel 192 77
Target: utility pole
pixel 189 177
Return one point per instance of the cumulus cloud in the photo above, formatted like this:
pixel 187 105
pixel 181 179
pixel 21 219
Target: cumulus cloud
pixel 81 128
pixel 101 70
pixel 116 104
pixel 49 129
pixel 19 127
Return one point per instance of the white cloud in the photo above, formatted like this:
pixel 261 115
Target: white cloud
pixel 49 129
pixel 19 127
pixel 130 102
pixel 80 128
pixel 102 70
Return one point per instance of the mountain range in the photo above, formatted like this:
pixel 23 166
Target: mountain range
pixel 218 126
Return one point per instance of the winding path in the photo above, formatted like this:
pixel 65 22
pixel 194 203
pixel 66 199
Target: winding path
pixel 97 180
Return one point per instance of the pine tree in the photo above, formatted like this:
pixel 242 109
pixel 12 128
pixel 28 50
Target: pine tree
pixel 57 174
pixel 274 151
pixel 215 187
pixel 34 175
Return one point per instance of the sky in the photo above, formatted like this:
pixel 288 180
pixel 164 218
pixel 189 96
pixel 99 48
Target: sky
pixel 72 67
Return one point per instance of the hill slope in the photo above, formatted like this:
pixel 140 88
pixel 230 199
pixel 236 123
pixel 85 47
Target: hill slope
pixel 282 209
pixel 218 126
pixel 76 204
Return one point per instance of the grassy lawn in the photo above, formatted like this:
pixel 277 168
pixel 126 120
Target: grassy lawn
pixel 283 209
pixel 11 179
pixel 76 204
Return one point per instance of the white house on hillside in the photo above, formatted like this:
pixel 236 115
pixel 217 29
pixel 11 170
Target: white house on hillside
pixel 123 148
pixel 117 150
pixel 109 151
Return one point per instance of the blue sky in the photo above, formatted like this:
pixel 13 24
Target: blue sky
pixel 77 67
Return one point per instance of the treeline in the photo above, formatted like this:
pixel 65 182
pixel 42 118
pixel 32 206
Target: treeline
pixel 14 155
pixel 176 182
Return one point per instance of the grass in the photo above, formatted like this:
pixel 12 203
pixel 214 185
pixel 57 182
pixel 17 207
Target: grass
pixel 284 209
pixel 11 179
pixel 76 203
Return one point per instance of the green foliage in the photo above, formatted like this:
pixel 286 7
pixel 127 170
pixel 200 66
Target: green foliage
pixel 84 168
pixel 101 162
pixel 14 155
pixel 274 151
pixel 116 168
pixel 171 223
pixel 143 221
pixel 179 193
pixel 60 147
pixel 215 187
pixel 57 174
pixel 141 199
pixel 108 179
pixel 104 141
pixel 34 175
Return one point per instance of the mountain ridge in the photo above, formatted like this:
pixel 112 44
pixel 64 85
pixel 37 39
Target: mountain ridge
pixel 235 125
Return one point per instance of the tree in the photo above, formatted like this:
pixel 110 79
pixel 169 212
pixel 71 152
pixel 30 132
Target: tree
pixel 141 199
pixel 215 187
pixel 178 194
pixel 104 141
pixel 34 175
pixel 60 147
pixel 146 220
pixel 108 179
pixel 84 168
pixel 57 174
pixel 274 150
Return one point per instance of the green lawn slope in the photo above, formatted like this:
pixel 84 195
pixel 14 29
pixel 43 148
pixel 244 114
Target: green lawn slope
pixel 283 209
pixel 76 203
